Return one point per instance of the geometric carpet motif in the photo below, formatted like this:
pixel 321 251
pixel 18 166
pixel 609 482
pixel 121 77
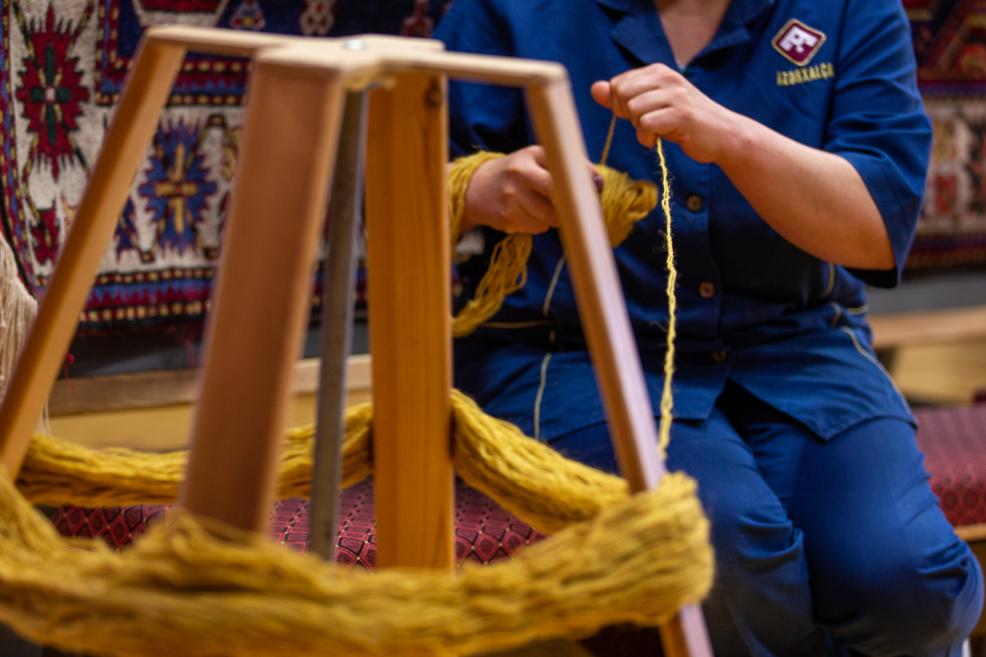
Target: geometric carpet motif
pixel 953 441
pixel 62 67
pixel 950 46
pixel 952 230
pixel 484 533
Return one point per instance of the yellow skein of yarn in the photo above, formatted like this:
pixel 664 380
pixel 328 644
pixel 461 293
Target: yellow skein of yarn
pixel 624 202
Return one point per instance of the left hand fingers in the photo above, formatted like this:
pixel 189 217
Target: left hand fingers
pixel 664 123
pixel 631 84
pixel 651 101
pixel 660 102
pixel 636 92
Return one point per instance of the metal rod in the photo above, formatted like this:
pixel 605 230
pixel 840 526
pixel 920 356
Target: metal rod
pixel 345 210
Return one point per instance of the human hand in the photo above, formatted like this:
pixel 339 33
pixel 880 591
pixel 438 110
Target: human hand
pixel 660 102
pixel 513 193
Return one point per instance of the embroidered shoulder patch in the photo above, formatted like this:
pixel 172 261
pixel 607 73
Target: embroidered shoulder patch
pixel 798 42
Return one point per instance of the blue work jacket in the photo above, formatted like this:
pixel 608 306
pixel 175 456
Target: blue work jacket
pixel 838 75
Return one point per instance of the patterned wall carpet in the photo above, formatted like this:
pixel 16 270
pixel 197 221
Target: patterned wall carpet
pixel 950 44
pixel 62 64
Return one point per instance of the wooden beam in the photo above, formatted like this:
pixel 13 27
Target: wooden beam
pixel 410 326
pixel 119 392
pixel 124 146
pixel 263 292
pixel 603 312
pixel 972 533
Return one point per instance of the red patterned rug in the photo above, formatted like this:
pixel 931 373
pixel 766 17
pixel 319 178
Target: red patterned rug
pixel 484 532
pixel 954 441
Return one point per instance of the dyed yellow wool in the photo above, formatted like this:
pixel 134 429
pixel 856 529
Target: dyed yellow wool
pixel 624 202
pixel 202 590
pixel 198 590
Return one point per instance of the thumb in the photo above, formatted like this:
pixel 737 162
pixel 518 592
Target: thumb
pixel 601 94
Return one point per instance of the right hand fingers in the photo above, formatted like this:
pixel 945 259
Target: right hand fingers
pixel 527 211
pixel 514 193
pixel 529 169
pixel 540 179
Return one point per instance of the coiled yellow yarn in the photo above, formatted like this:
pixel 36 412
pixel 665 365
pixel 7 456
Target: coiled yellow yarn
pixel 624 203
pixel 199 590
pixel 526 477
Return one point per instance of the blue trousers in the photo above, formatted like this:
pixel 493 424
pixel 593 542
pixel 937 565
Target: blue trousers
pixel 823 547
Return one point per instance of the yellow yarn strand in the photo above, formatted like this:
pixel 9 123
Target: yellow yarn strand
pixel 667 399
pixel 609 141
pixel 624 202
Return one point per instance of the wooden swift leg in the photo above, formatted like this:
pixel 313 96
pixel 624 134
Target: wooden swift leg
pixel 345 212
pixel 410 330
pixel 263 292
pixel 126 143
pixel 605 320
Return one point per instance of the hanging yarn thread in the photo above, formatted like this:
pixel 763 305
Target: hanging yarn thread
pixel 667 399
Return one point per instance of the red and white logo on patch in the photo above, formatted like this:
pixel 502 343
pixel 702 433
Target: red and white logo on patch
pixel 797 42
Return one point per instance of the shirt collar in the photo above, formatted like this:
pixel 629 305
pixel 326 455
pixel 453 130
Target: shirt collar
pixel 637 28
pixel 619 5
pixel 745 10
pixel 742 13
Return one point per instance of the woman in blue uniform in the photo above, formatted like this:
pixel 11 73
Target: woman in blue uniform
pixel 798 149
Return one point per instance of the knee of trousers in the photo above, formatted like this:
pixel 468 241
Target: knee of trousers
pixel 756 547
pixel 890 601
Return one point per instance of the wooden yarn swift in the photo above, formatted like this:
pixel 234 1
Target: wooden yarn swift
pixel 291 135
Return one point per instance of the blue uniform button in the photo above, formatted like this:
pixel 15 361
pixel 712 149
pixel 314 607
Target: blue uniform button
pixel 694 203
pixel 707 289
pixel 720 356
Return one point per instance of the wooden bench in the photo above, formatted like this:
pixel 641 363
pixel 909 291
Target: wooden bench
pixel 896 330
pixel 937 357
